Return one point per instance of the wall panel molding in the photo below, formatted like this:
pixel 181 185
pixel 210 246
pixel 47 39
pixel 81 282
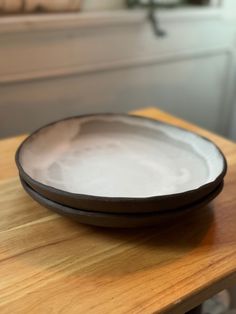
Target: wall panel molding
pixel 50 22
pixel 116 63
pixel 112 66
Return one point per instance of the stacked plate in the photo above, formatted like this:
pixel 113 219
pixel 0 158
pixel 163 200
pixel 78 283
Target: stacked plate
pixel 119 170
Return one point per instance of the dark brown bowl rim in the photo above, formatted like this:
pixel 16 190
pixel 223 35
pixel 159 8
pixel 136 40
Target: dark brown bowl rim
pixel 78 196
pixel 199 203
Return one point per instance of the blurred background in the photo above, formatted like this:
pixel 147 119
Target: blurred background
pixel 68 57
pixel 65 57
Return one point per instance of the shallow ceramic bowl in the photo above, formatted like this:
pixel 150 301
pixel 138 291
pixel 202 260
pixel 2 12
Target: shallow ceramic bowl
pixel 120 164
pixel 119 220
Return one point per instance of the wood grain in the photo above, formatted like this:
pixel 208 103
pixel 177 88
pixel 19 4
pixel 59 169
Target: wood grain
pixel 49 264
pixel 7 156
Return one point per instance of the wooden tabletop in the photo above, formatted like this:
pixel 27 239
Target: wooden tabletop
pixel 49 264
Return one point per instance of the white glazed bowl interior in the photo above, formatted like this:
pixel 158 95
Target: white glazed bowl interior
pixel 119 156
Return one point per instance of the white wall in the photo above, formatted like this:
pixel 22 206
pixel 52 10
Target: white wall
pixel 72 64
pixel 232 133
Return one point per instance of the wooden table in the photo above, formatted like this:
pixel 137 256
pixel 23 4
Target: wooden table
pixel 49 264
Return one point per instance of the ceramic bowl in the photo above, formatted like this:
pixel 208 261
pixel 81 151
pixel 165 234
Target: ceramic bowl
pixel 120 164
